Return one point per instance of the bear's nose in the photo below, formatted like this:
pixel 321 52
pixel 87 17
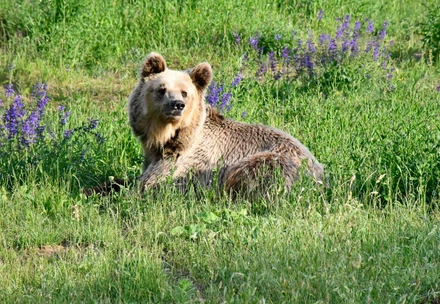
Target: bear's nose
pixel 179 105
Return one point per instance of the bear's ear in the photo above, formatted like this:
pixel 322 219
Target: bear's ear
pixel 201 75
pixel 154 64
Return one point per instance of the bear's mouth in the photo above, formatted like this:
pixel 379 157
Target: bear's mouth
pixel 174 113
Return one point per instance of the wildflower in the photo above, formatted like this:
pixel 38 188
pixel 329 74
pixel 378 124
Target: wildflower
pixel 272 62
pixel 29 127
pixel 9 90
pixel 310 46
pixel 323 38
pixel 356 30
pixel 392 88
pixel 383 32
pixel 237 80
pixel 376 52
pixel 64 118
pixel 237 38
pixel 368 76
pixel 299 43
pixel 68 133
pixel 277 37
pixel 342 30
pixel 320 14
pixel 390 76
pixel 438 88
pixel 253 41
pixel 285 53
pixel 262 70
pixel 332 46
pixel 213 95
pixel 13 116
pixel 93 123
pixel 244 114
pixel 226 97
pixel 370 27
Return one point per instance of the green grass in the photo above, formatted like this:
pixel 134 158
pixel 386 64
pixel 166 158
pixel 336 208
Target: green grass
pixel 374 236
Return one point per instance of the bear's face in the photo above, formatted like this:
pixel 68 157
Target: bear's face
pixel 171 96
pixel 174 97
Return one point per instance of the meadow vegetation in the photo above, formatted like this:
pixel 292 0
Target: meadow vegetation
pixel 357 82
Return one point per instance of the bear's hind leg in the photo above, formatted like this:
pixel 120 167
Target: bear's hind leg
pixel 257 173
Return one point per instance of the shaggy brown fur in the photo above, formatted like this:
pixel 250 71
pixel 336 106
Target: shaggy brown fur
pixel 183 137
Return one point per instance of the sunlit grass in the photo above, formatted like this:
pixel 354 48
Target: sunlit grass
pixel 373 236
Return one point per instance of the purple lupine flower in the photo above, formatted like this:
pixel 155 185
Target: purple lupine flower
pixel 391 43
pixel 342 29
pixel 244 114
pixel 368 76
pixel 376 52
pixel 272 62
pixel 61 108
pixel 356 30
pixel 310 46
pixel 262 70
pixel 392 88
pixel 308 63
pixel 213 95
pixel 253 41
pixel 438 88
pixel 369 46
pixel 40 132
pixel 13 116
pixel 299 43
pixel 226 97
pixel 345 45
pixel 9 90
pixel 1 103
pixel 285 53
pixel 354 47
pixel 383 32
pixel 370 27
pixel 277 37
pixel 237 80
pixel 93 123
pixel 64 118
pixel 323 38
pixel 237 38
pixel 320 14
pixel 68 133
pixel 332 46
pixel 29 127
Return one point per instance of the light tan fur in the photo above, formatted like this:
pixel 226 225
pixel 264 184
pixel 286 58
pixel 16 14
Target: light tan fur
pixel 183 137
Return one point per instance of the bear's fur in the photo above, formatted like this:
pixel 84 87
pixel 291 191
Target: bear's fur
pixel 186 139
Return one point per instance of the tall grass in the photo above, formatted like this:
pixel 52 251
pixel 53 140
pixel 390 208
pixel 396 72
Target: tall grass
pixel 371 118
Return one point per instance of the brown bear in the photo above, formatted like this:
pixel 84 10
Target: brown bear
pixel 186 139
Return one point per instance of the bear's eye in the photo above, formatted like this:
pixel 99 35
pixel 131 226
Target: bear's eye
pixel 162 91
pixel 184 94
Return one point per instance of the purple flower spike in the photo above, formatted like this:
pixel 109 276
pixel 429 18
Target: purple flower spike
pixel 9 90
pixel 320 14
pixel 277 37
pixel 438 88
pixel 285 53
pixel 383 32
pixel 253 41
pixel 370 27
pixel 237 80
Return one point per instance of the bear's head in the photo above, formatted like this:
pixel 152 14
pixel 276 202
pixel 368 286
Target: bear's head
pixel 174 100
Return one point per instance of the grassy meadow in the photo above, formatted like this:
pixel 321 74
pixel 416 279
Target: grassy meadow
pixel 358 82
